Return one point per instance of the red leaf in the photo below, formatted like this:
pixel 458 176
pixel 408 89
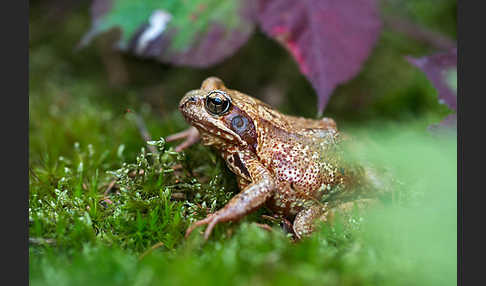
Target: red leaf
pixel 329 39
pixel 441 69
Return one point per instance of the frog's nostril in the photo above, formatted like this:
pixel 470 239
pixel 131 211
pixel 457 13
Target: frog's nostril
pixel 187 99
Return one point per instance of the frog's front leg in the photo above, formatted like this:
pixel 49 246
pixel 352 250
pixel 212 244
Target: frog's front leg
pixel 190 135
pixel 248 200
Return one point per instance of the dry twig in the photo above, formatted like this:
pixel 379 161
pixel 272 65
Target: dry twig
pixel 152 248
pixel 142 128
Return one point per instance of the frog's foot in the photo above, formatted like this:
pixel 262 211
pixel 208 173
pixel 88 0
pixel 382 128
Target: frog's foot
pixel 211 220
pixel 304 221
pixel 248 200
pixel 208 220
pixel 190 135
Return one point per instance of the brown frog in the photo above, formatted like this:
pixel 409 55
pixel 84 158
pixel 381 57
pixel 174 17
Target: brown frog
pixel 292 165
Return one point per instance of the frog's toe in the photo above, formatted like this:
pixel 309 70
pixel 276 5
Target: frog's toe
pixel 198 223
pixel 211 220
pixel 210 227
pixel 177 136
pixel 184 145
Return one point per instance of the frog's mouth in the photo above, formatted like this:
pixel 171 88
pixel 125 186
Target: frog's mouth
pixel 215 131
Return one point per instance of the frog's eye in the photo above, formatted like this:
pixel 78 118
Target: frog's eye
pixel 217 102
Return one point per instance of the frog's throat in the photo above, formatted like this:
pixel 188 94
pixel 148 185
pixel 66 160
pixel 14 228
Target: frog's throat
pixel 218 136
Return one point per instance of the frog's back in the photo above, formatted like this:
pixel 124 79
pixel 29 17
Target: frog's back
pixel 303 162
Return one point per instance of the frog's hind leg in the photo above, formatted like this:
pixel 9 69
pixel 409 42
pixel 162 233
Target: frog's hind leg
pixel 304 220
pixel 304 223
pixel 347 209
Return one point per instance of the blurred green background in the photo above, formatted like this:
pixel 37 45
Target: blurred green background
pixel 79 131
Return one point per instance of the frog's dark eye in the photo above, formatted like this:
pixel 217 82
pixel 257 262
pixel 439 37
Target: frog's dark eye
pixel 217 102
pixel 239 124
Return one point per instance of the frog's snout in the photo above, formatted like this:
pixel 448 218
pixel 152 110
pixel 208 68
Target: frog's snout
pixel 188 98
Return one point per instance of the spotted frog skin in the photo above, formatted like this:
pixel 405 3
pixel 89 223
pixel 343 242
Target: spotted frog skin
pixel 292 165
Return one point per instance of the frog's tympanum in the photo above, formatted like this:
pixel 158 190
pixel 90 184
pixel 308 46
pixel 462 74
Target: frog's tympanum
pixel 292 165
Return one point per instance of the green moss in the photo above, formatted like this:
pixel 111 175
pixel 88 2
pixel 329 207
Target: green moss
pixel 84 234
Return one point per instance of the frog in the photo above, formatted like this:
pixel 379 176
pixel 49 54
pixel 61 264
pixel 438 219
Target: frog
pixel 292 165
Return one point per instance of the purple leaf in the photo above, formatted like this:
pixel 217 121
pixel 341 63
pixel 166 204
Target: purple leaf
pixel 329 39
pixel 441 70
